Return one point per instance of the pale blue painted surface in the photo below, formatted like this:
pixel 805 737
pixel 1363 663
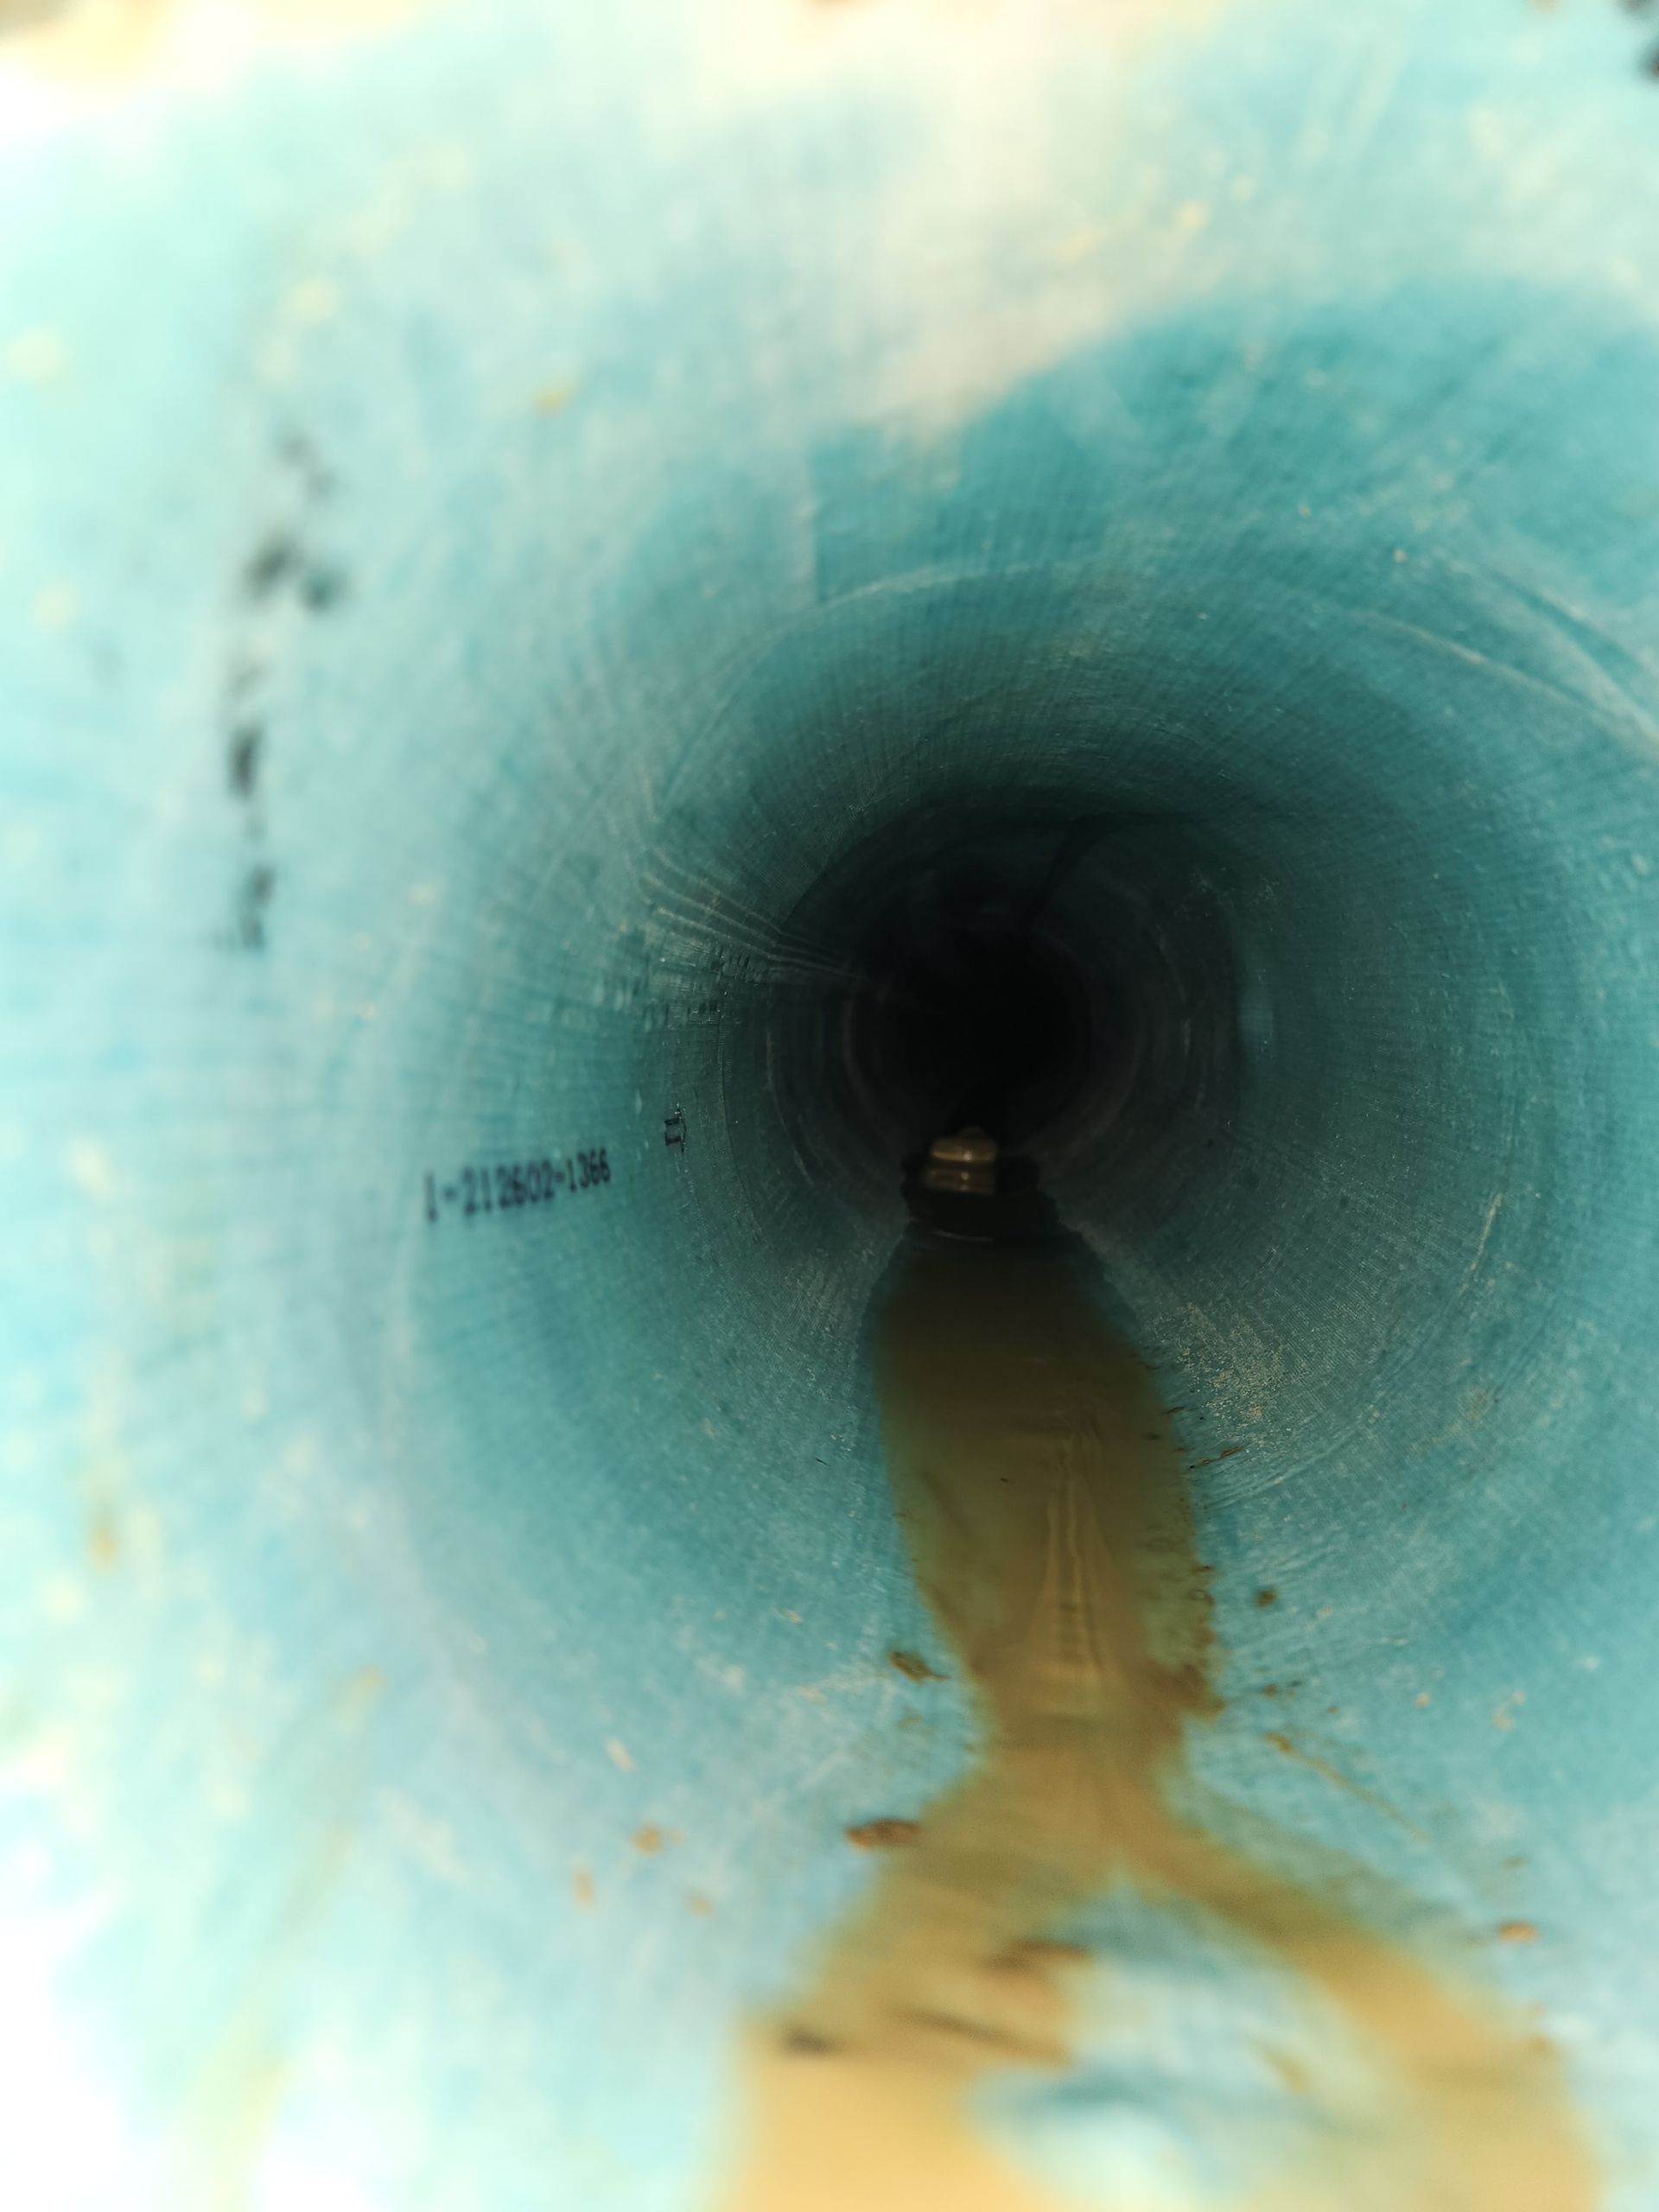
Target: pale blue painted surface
pixel 905 461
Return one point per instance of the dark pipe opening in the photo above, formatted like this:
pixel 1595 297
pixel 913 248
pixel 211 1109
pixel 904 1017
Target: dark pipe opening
pixel 978 1023
pixel 1065 982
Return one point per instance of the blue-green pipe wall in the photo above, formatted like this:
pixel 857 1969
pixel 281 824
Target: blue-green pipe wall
pixel 618 459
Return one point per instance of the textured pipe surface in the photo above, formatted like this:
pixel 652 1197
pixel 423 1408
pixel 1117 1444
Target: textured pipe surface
pixel 534 542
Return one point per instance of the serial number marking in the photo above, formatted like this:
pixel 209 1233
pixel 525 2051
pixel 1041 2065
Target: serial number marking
pixel 526 1183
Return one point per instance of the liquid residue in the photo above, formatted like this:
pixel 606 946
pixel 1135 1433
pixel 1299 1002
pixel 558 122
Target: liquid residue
pixel 1045 1507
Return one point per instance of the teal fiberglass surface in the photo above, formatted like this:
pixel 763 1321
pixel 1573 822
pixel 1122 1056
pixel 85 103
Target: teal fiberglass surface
pixel 515 531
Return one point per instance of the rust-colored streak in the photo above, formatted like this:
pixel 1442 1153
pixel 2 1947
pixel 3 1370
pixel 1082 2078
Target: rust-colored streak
pixel 1051 1535
pixel 885 1834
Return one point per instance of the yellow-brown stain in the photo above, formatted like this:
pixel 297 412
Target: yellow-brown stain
pixel 104 1543
pixel 1051 1535
pixel 886 1833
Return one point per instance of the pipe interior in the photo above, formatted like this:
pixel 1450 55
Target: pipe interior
pixel 1194 717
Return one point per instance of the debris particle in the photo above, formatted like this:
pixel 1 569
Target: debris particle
pixel 1033 1952
pixel 913 1667
pixel 807 2042
pixel 257 885
pixel 1267 1596
pixel 322 588
pixel 267 567
pixel 886 1834
pixel 1517 1931
pixel 247 742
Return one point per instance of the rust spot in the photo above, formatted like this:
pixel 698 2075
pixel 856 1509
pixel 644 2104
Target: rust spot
pixel 1036 1952
pixel 886 1834
pixel 702 1906
pixel 104 1543
pixel 1267 1596
pixel 913 1667
pixel 807 2042
pixel 581 1888
pixel 1282 1742
pixel 1517 1931
pixel 649 1838
pixel 1229 1451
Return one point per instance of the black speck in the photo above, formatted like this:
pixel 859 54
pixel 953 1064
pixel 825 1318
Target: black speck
pixel 255 896
pixel 242 759
pixel 322 588
pixel 276 560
